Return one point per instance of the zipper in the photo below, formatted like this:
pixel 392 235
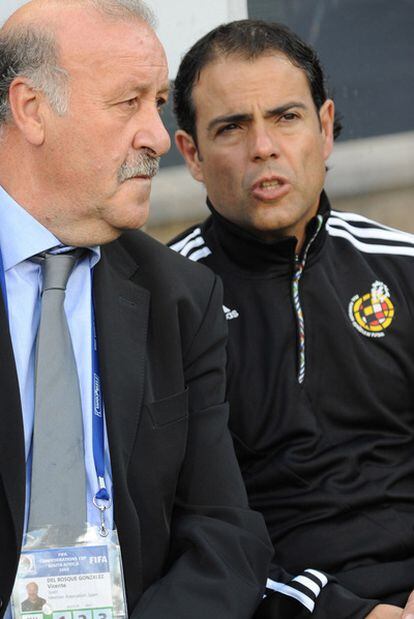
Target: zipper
pixel 300 321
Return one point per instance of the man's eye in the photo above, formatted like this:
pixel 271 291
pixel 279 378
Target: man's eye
pixel 289 116
pixel 228 128
pixel 161 105
pixel 130 102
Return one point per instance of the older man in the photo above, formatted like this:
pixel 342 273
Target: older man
pixel 33 602
pixel 82 84
pixel 319 304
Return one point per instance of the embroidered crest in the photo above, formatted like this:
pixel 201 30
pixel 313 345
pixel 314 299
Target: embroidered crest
pixel 372 313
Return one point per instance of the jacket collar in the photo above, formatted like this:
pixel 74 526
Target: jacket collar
pixel 122 312
pixel 246 251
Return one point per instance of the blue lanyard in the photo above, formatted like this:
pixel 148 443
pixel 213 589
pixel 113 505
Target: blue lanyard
pixel 101 500
pixel 3 284
pixel 98 435
pixel 98 418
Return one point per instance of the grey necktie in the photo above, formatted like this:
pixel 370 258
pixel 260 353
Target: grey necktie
pixel 58 486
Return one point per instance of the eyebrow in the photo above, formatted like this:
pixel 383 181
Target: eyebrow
pixel 133 87
pixel 239 118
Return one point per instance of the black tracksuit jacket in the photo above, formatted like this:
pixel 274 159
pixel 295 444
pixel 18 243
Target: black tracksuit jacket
pixel 326 443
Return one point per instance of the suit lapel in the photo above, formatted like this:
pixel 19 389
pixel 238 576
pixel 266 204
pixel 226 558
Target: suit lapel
pixel 121 309
pixel 12 454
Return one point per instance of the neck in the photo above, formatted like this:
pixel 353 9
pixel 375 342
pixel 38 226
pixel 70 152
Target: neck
pixel 21 179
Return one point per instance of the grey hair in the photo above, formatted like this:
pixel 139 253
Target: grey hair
pixel 31 51
pixel 124 9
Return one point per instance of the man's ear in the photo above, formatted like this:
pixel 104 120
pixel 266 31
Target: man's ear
pixel 25 104
pixel 187 147
pixel 327 116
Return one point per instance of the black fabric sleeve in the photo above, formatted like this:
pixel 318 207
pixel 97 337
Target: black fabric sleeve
pixel 311 593
pixel 220 550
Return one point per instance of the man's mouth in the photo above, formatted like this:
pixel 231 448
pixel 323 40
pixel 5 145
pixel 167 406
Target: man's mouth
pixel 269 184
pixel 269 189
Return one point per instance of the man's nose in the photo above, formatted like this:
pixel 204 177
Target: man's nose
pixel 152 134
pixel 264 144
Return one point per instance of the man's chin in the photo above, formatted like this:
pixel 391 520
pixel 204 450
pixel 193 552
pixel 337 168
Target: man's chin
pixel 137 217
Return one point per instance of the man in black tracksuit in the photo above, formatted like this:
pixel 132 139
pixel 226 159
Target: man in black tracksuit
pixel 319 306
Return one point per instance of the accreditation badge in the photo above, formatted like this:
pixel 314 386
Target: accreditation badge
pixel 79 581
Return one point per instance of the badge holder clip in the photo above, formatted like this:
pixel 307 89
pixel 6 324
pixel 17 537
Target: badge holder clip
pixel 102 505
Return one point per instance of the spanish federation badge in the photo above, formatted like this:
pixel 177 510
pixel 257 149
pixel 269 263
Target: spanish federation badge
pixel 372 313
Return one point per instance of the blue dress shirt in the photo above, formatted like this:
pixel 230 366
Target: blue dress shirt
pixel 21 237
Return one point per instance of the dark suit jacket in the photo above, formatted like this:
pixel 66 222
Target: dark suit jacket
pixel 190 546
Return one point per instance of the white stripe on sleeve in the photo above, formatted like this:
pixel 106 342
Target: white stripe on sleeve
pixel 319 575
pixel 308 583
pixel 280 587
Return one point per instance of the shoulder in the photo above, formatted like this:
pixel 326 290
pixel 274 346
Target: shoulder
pixel 369 236
pixel 184 295
pixel 163 271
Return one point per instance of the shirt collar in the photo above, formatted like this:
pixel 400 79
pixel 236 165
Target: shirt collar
pixel 22 236
pixel 247 251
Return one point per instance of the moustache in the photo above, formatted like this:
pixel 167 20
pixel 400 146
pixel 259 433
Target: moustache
pixel 143 165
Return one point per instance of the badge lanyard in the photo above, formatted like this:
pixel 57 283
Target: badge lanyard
pixel 101 500
pixel 3 284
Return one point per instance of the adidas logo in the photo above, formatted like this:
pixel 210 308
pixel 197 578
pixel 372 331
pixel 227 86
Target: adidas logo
pixel 230 314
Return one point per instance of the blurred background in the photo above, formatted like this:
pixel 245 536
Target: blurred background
pixel 367 50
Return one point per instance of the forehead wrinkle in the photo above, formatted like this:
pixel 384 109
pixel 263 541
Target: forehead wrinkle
pixel 105 55
pixel 102 64
pixel 131 69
